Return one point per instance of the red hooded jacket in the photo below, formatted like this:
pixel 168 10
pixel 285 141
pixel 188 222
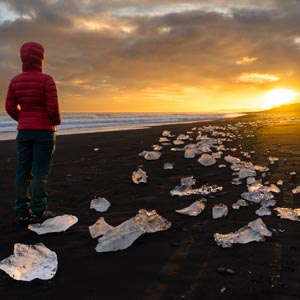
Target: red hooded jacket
pixel 32 96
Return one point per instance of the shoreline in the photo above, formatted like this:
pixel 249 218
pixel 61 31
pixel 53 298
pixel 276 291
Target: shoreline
pixel 6 136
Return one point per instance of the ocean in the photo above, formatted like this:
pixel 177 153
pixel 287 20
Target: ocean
pixel 95 122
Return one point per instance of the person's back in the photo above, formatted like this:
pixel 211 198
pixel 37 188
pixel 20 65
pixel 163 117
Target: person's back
pixel 32 95
pixel 32 101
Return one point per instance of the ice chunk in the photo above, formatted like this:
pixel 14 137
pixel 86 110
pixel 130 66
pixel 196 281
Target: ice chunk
pixel 232 159
pixel 221 166
pixel 272 188
pixel 257 196
pixel 178 142
pixel 163 140
pixel 100 204
pixel 296 190
pixel 30 262
pixel 168 166
pixel 263 211
pixel 219 210
pixel 254 231
pixel 139 176
pixel 190 152
pixel 206 160
pixel 288 213
pixel 150 155
pixel 166 133
pixel 279 182
pixel 183 137
pixel 203 190
pixel 56 224
pixel 272 159
pixel 244 172
pixel 157 147
pixel 240 202
pixel 193 210
pixel 123 235
pixel 99 228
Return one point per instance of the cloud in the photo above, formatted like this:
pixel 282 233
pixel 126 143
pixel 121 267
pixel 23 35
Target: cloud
pixel 257 78
pixel 104 49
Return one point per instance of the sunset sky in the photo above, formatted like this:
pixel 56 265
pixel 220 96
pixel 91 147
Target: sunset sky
pixel 159 55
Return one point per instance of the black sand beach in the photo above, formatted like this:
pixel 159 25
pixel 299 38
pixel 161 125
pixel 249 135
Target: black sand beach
pixel 182 262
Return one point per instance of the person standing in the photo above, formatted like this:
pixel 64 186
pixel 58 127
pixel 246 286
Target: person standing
pixel 32 101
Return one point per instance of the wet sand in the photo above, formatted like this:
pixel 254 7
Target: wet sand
pixel 180 263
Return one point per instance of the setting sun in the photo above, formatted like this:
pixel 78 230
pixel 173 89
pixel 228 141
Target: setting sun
pixel 278 97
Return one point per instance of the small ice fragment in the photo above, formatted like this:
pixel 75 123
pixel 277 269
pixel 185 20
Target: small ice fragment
pixel 30 262
pixel 206 160
pixel 244 172
pixel 178 142
pixel 193 210
pixel 183 137
pixel 100 204
pixel 221 166
pixel 168 166
pixel 219 210
pixel 96 149
pixel 240 202
pixel 272 159
pixel 296 190
pixel 150 155
pixel 99 228
pixel 156 147
pixel 123 235
pixel 288 213
pixel 272 188
pixel 232 159
pixel 263 211
pixel 279 182
pixel 139 176
pixel 190 152
pixel 56 224
pixel 166 133
pixel 292 173
pixel 163 140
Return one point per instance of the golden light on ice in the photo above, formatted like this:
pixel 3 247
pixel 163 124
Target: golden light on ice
pixel 278 97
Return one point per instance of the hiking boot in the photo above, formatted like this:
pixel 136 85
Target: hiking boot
pixel 47 214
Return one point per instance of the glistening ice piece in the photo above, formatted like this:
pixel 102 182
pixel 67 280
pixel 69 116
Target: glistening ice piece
pixel 100 204
pixel 193 210
pixel 56 224
pixel 123 235
pixel 139 176
pixel 254 231
pixel 30 262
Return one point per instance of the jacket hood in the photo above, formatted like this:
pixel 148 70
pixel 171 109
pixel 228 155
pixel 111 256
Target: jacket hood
pixel 32 56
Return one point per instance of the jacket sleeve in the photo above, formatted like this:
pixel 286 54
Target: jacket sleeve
pixel 11 105
pixel 51 101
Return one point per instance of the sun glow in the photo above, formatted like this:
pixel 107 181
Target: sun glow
pixel 278 97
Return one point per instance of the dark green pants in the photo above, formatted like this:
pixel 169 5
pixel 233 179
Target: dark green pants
pixel 35 152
